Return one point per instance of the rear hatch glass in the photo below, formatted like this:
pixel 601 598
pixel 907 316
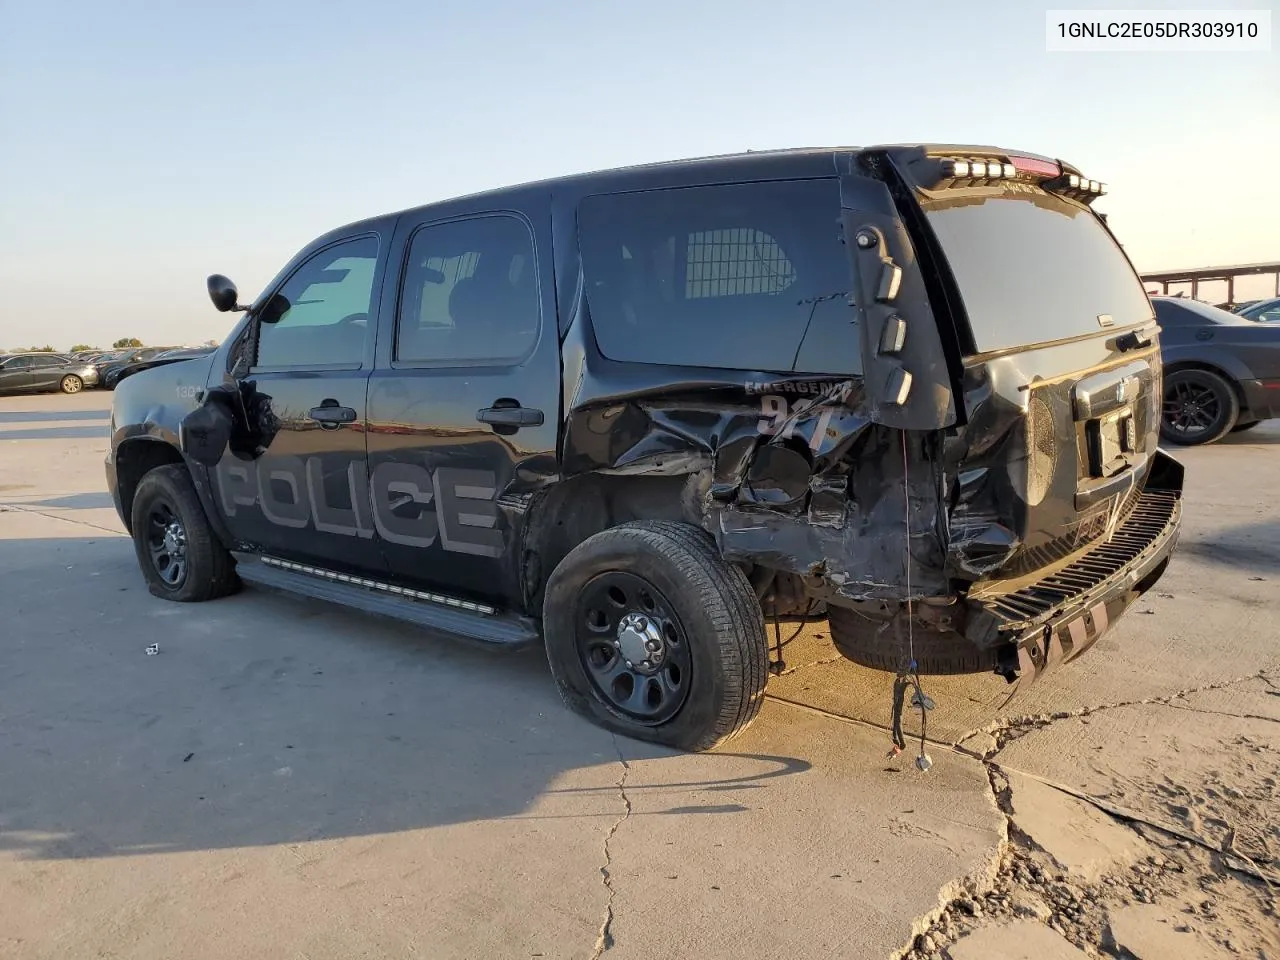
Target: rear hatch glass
pixel 1033 267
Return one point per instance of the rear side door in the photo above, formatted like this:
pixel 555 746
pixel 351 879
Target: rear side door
pixel 299 491
pixel 464 403
pixel 46 371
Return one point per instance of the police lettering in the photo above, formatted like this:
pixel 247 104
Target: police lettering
pixel 402 502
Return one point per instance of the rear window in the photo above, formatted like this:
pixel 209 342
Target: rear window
pixel 1194 313
pixel 1033 267
pixel 740 277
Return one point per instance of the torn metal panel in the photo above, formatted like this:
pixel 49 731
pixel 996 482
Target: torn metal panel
pixel 800 478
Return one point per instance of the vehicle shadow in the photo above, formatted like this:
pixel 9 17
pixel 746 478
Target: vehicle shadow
pixel 264 719
pixel 1261 435
pixel 57 433
pixel 46 416
pixel 1253 546
pixel 75 501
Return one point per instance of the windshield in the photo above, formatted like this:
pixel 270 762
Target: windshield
pixel 1033 267
pixel 1266 311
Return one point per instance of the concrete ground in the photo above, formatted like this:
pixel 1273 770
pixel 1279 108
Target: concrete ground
pixel 289 779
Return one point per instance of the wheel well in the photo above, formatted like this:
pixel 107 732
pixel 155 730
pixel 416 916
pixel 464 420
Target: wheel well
pixel 134 460
pixel 1212 368
pixel 580 507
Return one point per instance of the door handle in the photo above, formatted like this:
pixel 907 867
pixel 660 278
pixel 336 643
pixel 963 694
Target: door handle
pixel 330 415
pixel 510 415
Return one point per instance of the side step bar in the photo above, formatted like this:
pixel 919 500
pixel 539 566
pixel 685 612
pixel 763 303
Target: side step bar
pixel 459 618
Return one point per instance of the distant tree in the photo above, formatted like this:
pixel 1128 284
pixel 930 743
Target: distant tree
pixel 45 349
pixel 78 347
pixel 213 343
pixel 124 342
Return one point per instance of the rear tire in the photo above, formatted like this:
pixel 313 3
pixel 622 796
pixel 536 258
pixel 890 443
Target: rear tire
pixel 71 384
pixel 656 586
pixel 1199 407
pixel 873 643
pixel 177 550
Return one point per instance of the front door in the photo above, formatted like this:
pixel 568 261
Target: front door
pixel 15 375
pixel 464 404
pixel 301 490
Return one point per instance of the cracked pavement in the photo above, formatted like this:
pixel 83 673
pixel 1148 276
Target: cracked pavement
pixel 286 778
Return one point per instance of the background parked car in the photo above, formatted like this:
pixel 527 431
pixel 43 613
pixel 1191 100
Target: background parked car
pixel 35 372
pixel 1262 311
pixel 118 372
pixel 108 370
pixel 1221 371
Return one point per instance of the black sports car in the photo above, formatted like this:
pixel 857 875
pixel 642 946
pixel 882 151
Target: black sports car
pixel 114 374
pixel 1221 371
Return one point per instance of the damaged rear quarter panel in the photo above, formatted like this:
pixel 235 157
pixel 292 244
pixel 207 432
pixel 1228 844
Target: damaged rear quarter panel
pixel 812 475
pixel 788 472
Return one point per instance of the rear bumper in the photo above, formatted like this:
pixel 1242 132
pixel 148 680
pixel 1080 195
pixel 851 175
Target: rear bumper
pixel 1063 612
pixel 1261 398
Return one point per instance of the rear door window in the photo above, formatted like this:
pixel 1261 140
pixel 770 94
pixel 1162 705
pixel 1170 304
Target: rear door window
pixel 739 276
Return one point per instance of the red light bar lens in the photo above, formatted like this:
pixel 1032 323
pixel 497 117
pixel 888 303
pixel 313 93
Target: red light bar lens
pixel 1043 168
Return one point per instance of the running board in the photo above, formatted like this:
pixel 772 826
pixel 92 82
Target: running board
pixel 460 618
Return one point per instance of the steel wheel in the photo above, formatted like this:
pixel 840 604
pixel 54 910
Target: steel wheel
pixel 633 647
pixel 1199 407
pixel 167 544
pixel 71 384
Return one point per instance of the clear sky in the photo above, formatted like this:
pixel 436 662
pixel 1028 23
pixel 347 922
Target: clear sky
pixel 144 145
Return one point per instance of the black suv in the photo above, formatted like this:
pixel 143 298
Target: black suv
pixel 634 414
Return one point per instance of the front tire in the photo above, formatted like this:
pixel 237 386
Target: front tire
pixel 1199 407
pixel 651 634
pixel 177 550
pixel 71 384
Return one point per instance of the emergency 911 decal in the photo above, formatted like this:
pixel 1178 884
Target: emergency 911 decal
pixel 403 503
pixel 781 416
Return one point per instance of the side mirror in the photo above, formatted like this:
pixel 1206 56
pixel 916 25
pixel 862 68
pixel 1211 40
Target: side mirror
pixel 223 293
pixel 274 309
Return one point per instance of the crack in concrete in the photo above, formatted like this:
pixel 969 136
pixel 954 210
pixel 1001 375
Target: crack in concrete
pixel 1006 730
pixel 604 940
pixel 805 666
pixel 985 879
pixel 17 508
pixel 1223 713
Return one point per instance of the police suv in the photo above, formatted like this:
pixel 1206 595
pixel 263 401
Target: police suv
pixel 632 415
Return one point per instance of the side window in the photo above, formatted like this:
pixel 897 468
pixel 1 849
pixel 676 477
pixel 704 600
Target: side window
pixel 322 310
pixel 470 293
pixel 1171 315
pixel 20 363
pixel 737 276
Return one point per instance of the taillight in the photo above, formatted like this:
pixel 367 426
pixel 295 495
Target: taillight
pixel 1033 165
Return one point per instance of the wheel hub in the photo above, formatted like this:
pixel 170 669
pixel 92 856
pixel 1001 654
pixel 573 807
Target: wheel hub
pixel 640 642
pixel 175 541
